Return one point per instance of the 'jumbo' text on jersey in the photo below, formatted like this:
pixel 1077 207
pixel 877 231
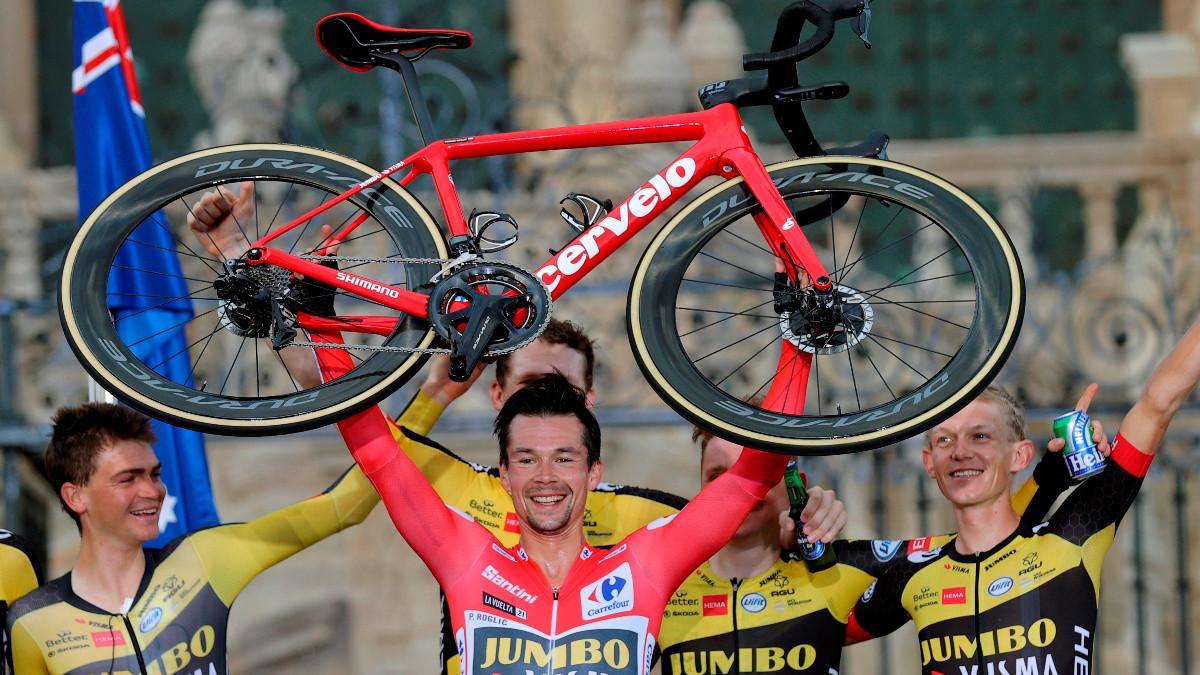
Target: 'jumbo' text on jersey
pixel 506 617
pixel 785 621
pixel 177 621
pixel 1029 605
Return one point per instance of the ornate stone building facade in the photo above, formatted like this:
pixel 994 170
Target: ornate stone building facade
pixel 362 602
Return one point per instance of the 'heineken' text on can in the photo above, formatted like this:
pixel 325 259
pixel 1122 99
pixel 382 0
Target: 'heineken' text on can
pixel 817 555
pixel 1080 453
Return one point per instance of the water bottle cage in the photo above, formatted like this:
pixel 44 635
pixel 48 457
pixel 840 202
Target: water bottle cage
pixel 481 222
pixel 590 210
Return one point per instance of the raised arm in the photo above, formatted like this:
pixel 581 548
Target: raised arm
pixel 437 534
pixel 669 550
pixel 1168 387
pixel 238 553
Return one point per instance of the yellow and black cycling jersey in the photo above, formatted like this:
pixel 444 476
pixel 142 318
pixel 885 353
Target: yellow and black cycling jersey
pixel 785 621
pixel 613 512
pixel 1029 604
pixel 16 579
pixel 177 620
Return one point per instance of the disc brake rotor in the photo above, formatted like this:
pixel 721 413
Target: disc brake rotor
pixel 827 323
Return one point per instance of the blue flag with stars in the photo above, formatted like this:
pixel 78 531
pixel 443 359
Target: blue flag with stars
pixel 111 146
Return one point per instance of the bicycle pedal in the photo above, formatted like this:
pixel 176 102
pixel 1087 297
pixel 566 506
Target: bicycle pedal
pixel 480 222
pixel 591 210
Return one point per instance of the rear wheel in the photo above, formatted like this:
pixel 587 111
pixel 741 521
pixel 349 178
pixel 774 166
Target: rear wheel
pixel 926 306
pixel 135 271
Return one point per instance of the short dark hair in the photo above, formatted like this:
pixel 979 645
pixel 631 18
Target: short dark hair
pixel 83 432
pixel 559 332
pixel 550 395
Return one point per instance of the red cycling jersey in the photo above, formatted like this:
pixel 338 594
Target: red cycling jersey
pixel 506 618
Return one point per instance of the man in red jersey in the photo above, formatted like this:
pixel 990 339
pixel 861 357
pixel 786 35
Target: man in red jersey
pixel 553 603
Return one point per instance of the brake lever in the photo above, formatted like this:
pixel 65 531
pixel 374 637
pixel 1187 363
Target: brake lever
pixel 862 23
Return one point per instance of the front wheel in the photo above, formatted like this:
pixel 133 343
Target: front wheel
pixel 155 314
pixel 926 306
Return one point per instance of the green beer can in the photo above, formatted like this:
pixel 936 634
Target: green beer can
pixel 1080 453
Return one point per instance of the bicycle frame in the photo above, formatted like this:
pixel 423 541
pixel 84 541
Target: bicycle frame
pixel 720 148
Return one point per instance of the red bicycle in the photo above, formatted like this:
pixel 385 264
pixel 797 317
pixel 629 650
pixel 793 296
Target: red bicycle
pixel 866 298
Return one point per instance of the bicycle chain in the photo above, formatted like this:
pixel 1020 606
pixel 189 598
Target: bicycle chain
pixel 451 264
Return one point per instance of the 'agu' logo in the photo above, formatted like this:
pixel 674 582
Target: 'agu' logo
pixel 612 594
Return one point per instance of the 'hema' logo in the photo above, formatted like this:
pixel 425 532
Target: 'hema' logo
pixel 612 594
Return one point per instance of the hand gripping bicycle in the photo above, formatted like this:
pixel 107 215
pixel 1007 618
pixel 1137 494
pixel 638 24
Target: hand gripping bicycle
pixel 863 299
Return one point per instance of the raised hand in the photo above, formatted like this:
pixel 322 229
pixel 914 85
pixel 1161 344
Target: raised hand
pixel 824 517
pixel 1098 437
pixel 219 218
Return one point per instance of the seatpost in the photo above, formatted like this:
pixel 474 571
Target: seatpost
pixel 412 91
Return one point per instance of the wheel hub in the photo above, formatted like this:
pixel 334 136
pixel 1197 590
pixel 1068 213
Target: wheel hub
pixel 247 293
pixel 826 322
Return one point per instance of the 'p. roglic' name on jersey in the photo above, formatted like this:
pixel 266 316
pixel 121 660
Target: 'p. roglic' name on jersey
pixel 1026 607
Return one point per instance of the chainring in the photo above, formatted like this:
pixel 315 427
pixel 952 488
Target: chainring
pixel 524 300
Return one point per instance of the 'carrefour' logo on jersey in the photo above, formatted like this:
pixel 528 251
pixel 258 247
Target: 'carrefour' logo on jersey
pixel 885 549
pixel 609 589
pixel 612 594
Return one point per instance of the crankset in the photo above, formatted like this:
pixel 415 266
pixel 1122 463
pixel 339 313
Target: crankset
pixel 484 309
pixel 822 322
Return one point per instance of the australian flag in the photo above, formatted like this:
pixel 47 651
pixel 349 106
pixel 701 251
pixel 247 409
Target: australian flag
pixel 111 146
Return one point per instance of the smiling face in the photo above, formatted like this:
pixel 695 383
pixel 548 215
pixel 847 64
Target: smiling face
pixel 547 473
pixel 974 455
pixel 123 495
pixel 720 454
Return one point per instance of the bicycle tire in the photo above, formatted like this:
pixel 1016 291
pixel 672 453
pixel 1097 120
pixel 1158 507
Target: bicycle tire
pixel 288 180
pixel 667 353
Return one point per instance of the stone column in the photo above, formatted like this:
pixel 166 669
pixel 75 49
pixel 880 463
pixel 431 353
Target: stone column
pixel 567 54
pixel 241 71
pixel 18 72
pixel 713 43
pixel 1099 219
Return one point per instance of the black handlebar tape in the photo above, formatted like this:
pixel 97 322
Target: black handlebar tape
pixel 842 9
pixel 787 31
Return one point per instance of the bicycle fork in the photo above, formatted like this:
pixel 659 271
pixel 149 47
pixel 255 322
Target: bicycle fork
pixel 795 264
